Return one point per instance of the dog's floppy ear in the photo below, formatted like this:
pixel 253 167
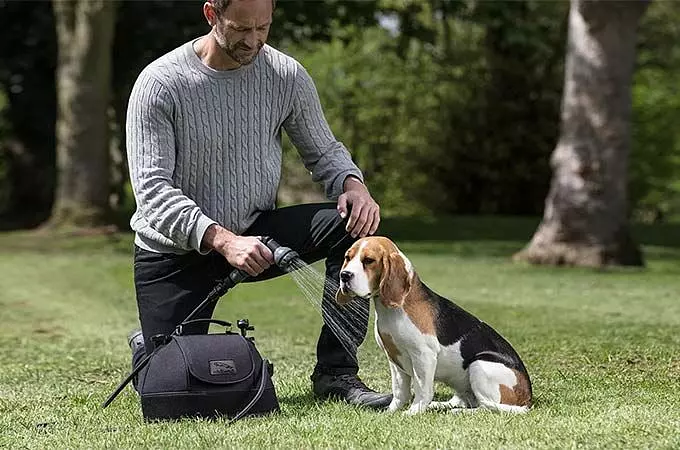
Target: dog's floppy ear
pixel 342 299
pixel 394 282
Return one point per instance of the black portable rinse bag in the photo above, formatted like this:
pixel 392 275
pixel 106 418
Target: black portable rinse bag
pixel 205 375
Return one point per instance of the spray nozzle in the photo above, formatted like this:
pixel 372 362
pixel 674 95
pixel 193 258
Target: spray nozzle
pixel 283 256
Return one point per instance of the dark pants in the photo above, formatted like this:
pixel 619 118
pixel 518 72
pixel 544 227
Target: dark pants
pixel 170 286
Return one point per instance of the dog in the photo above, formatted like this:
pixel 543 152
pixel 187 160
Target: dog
pixel 428 338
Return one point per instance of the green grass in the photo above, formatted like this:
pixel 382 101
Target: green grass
pixel 601 348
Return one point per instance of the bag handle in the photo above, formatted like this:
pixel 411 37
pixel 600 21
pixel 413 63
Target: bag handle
pixel 256 397
pixel 180 328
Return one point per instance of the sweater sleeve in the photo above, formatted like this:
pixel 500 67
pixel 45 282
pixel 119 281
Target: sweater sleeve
pixel 150 141
pixel 322 154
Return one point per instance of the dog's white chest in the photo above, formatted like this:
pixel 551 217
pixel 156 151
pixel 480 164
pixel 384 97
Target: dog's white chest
pixel 410 344
pixel 412 347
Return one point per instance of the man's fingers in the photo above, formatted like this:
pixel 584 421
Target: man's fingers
pixel 353 219
pixel 342 206
pixel 376 222
pixel 360 225
pixel 249 268
pixel 257 259
pixel 265 254
pixel 365 222
pixel 259 263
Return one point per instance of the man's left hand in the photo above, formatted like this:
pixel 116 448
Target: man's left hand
pixel 365 212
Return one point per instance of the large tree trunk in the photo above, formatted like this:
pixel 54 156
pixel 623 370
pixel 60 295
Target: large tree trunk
pixel 85 36
pixel 585 221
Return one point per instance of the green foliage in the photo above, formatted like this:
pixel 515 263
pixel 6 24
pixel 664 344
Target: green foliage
pixel 655 161
pixel 380 106
pixel 497 142
pixel 457 111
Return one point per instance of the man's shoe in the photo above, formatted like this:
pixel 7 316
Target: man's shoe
pixel 135 340
pixel 350 389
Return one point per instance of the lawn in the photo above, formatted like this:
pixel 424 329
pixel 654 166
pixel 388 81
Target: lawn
pixel 601 348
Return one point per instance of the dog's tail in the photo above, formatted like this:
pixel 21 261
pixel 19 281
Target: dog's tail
pixel 504 408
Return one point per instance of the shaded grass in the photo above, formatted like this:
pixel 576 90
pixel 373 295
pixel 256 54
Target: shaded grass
pixel 601 348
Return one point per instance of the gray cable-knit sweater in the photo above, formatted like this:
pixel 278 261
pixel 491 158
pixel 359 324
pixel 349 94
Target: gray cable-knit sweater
pixel 204 146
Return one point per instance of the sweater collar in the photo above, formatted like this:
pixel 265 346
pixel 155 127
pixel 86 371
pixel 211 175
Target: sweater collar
pixel 196 62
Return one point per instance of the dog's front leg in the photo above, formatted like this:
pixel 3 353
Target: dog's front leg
pixel 401 388
pixel 424 366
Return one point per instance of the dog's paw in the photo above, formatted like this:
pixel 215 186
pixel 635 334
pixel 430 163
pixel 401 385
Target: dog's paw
pixel 438 406
pixel 395 405
pixel 416 408
pixel 455 402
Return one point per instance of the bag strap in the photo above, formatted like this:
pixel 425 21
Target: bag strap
pixel 256 397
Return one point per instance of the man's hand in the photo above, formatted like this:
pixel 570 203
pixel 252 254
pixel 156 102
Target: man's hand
pixel 365 215
pixel 247 253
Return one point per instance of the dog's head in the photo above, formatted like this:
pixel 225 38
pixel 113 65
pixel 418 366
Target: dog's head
pixel 374 266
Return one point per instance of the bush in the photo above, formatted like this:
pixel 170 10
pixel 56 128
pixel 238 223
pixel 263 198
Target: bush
pixel 448 122
pixel 655 155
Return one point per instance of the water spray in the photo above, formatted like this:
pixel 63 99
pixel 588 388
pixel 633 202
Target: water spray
pixel 342 321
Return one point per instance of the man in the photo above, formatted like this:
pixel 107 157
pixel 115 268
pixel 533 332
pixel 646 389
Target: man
pixel 204 149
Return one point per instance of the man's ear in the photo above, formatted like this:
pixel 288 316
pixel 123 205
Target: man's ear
pixel 342 299
pixel 395 283
pixel 209 13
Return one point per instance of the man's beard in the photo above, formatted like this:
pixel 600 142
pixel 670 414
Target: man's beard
pixel 237 51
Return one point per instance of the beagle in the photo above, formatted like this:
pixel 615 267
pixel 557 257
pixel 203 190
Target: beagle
pixel 428 338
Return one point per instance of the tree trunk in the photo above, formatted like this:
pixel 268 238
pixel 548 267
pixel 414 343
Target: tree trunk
pixel 585 221
pixel 85 37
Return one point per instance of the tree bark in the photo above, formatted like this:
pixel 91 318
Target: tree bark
pixel 85 37
pixel 585 220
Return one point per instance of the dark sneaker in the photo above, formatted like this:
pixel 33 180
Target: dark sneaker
pixel 350 389
pixel 135 340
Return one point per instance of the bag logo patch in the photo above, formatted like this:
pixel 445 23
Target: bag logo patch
pixel 222 367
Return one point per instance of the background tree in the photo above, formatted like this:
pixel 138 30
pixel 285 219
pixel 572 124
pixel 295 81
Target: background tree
pixel 85 35
pixel 585 221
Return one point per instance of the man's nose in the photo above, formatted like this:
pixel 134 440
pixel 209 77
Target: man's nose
pixel 345 276
pixel 251 39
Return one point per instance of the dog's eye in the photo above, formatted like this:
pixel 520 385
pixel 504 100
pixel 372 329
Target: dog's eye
pixel 346 257
pixel 368 261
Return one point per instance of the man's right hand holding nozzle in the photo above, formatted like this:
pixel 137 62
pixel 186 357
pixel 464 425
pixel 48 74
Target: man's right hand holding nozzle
pixel 246 253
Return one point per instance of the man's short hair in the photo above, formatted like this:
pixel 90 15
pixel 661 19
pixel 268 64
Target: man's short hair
pixel 221 5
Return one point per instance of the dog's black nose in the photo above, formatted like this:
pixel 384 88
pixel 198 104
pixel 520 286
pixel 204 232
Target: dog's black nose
pixel 345 276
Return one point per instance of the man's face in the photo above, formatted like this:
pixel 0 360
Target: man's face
pixel 242 29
